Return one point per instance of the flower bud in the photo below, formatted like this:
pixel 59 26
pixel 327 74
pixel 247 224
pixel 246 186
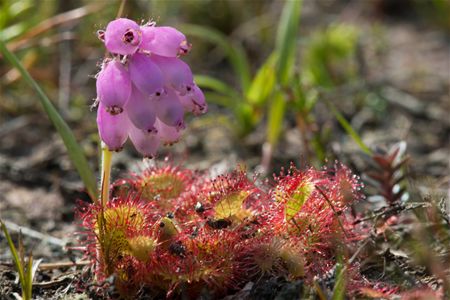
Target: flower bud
pixel 164 41
pixel 169 110
pixel 122 36
pixel 194 101
pixel 176 73
pixel 146 75
pixel 167 134
pixel 113 86
pixel 113 129
pixel 141 110
pixel 146 143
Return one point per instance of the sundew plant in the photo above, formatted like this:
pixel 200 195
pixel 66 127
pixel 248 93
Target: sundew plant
pixel 170 232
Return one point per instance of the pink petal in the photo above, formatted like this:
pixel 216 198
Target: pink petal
pixel 122 36
pixel 169 110
pixel 145 74
pixel 194 101
pixel 176 73
pixel 113 129
pixel 141 110
pixel 146 143
pixel 113 86
pixel 168 134
pixel 164 41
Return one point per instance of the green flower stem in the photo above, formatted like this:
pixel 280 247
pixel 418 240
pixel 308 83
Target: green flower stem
pixel 106 174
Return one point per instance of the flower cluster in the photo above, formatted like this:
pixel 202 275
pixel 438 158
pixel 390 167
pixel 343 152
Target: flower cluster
pixel 144 88
pixel 175 231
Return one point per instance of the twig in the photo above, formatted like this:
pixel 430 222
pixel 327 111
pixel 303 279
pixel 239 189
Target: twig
pixel 35 234
pixel 332 207
pixel 50 284
pixel 63 264
pixel 55 21
pixel 392 210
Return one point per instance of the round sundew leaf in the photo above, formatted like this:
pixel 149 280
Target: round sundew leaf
pixel 164 41
pixel 145 143
pixel 167 134
pixel 176 73
pixel 146 75
pixel 113 85
pixel 141 110
pixel 169 110
pixel 194 101
pixel 122 36
pixel 113 129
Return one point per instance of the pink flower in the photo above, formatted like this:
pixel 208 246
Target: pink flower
pixel 113 129
pixel 194 101
pixel 113 86
pixel 122 36
pixel 164 41
pixel 176 73
pixel 141 110
pixel 145 90
pixel 146 75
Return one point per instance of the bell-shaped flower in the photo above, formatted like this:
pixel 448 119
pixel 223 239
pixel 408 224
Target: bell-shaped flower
pixel 164 41
pixel 194 101
pixel 113 129
pixel 176 73
pixel 169 110
pixel 141 110
pixel 146 75
pixel 122 36
pixel 146 143
pixel 167 134
pixel 113 86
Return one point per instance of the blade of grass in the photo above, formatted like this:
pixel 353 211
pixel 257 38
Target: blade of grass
pixel 286 39
pixel 263 84
pixel 339 286
pixel 235 52
pixel 73 148
pixel 275 118
pixel 348 128
pixel 29 277
pixel 15 256
pixel 214 84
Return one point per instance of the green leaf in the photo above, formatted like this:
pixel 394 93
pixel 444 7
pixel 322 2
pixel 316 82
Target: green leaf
pixel 16 258
pixel 275 118
pixel 286 39
pixel 214 84
pixel 297 199
pixel 73 148
pixel 263 83
pixel 348 128
pixel 339 286
pixel 225 101
pixel 235 52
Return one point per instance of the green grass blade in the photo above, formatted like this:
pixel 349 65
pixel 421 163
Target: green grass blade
pixel 73 148
pixel 15 256
pixel 348 128
pixel 221 100
pixel 263 83
pixel 235 52
pixel 32 269
pixel 275 118
pixel 216 85
pixel 29 278
pixel 286 39
pixel 339 286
